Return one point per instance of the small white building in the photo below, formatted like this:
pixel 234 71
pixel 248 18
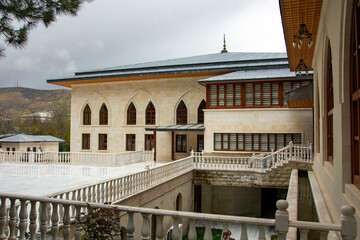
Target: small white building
pixel 30 143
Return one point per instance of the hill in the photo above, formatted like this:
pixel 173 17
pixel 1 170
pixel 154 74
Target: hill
pixel 19 99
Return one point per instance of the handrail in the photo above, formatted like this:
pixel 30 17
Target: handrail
pixel 56 212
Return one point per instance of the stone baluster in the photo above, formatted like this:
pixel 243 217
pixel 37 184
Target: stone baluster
pixel 78 223
pixel 160 227
pixel 61 209
pixel 93 194
pixel 145 232
pixel 73 197
pixel 244 235
pixel 102 199
pixel 117 227
pixel 348 223
pixel 89 196
pixel 304 234
pixel 84 197
pixel 66 222
pixel 3 216
pixel 107 191
pixel 282 219
pixel 176 231
pixel 261 233
pixel 23 219
pixel 112 191
pixel 43 220
pixel 55 221
pixel 130 226
pixel 33 217
pixel 12 222
pixel 98 193
pixel 208 233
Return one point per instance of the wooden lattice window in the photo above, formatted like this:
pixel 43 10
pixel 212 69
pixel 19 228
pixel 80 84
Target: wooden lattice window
pixel 254 141
pixel 102 141
pixel 131 114
pixel 85 141
pixel 87 115
pixel 329 105
pixel 149 141
pixel 181 113
pixel 250 94
pixel 201 107
pixel 150 114
pixel 130 142
pixel 355 95
pixel 103 115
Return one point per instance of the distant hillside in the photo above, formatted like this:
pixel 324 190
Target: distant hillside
pixel 19 99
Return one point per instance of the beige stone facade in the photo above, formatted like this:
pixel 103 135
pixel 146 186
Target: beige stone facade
pixel 33 146
pixel 334 178
pixel 165 94
pixel 257 120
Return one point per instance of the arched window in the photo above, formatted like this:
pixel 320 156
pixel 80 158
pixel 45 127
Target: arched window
pixel 131 115
pixel 181 113
pixel 329 105
pixel 178 205
pixel 103 118
pixel 87 115
pixel 150 114
pixel 355 98
pixel 201 107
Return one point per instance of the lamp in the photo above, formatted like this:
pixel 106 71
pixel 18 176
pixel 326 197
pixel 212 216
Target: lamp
pixel 301 34
pixel 301 67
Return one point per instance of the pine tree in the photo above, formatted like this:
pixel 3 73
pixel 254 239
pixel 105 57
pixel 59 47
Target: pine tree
pixel 18 17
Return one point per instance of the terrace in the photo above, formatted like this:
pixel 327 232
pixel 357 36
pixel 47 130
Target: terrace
pixel 59 214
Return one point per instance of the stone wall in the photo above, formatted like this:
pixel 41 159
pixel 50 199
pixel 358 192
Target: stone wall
pixel 276 177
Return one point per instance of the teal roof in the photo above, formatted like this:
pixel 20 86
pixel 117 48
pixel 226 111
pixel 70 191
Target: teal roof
pixel 23 138
pixel 196 64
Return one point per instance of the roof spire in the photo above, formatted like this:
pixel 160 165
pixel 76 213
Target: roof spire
pixel 224 49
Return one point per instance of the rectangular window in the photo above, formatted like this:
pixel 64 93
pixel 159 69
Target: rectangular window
pixel 264 94
pixel 181 143
pixel 149 141
pixel 130 142
pixel 253 141
pixel 102 141
pixel 85 141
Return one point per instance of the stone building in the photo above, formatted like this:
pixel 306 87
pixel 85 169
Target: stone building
pixel 220 103
pixel 30 143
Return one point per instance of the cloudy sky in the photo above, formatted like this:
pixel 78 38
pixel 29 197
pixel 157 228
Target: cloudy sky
pixel 109 33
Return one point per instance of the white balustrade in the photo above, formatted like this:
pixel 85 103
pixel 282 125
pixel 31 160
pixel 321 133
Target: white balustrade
pixel 282 223
pixel 67 158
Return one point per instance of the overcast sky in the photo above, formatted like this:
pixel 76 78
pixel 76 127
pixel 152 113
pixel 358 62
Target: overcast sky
pixel 109 33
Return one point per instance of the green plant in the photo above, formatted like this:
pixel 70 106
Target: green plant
pixel 99 223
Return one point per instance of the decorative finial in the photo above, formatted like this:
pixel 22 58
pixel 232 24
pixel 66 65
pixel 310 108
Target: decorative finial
pixel 224 49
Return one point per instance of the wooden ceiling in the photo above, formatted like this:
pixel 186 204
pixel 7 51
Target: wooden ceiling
pixel 294 13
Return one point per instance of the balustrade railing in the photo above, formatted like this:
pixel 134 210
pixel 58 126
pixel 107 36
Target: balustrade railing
pixel 57 216
pixel 257 162
pixel 103 159
pixel 115 189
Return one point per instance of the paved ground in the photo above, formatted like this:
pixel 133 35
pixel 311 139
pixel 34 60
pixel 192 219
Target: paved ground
pixel 44 179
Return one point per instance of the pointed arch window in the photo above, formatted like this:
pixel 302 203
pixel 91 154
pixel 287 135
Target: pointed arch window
pixel 150 114
pixel 103 118
pixel 355 95
pixel 329 106
pixel 131 114
pixel 181 113
pixel 87 115
pixel 201 107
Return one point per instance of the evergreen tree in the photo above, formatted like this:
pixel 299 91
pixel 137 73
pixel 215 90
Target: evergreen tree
pixel 18 17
